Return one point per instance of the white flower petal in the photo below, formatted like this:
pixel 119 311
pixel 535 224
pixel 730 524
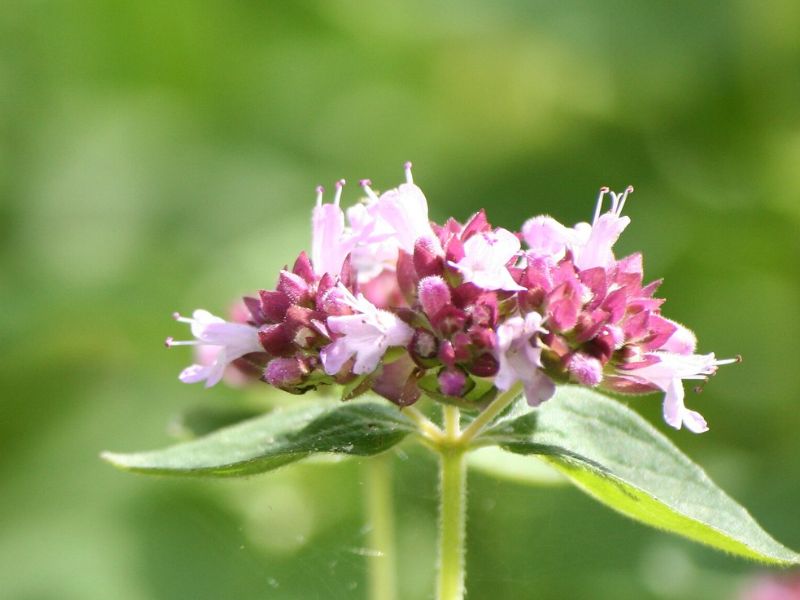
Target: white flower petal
pixel 486 256
pixel 222 343
pixel 366 335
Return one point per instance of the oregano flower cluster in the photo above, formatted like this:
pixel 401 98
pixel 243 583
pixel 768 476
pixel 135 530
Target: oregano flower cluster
pixel 393 303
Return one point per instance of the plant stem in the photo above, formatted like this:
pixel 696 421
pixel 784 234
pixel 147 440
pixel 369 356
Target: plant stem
pixel 427 428
pixel 452 446
pixel 452 423
pixel 452 511
pixel 380 509
pixel 489 413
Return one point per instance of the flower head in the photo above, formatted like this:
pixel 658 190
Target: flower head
pixel 392 302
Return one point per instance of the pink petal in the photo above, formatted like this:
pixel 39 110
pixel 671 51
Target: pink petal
pixel 334 356
pixel 546 237
pixel 328 247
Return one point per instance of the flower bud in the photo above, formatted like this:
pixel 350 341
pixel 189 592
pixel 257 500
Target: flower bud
pixel 562 307
pixel 484 310
pixel 589 325
pixel 585 369
pixel 485 365
pixel 423 345
pixel 254 307
pixel 606 343
pixel 348 275
pixel 478 223
pixel 302 267
pixel 447 353
pixel 483 337
pixel 274 305
pixel 596 280
pixel 452 382
pixel 333 302
pixel 326 282
pixel 454 251
pixel 434 295
pixel 449 320
pixel 285 372
pixel 462 344
pixel 294 287
pixel 397 382
pixel 275 339
pixel 303 324
pixel 407 278
pixel 428 259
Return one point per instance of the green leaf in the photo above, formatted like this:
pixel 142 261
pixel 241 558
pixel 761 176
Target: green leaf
pixel 614 455
pixel 496 462
pixel 276 439
pixel 202 420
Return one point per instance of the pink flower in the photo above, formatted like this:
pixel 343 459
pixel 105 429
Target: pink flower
pixel 393 221
pixel 682 341
pixel 376 229
pixel 365 335
pixel 331 242
pixel 593 244
pixel 405 210
pixel 486 258
pixel 520 358
pixel 673 361
pixel 224 341
pixel 666 371
pixel 547 238
pixel 376 247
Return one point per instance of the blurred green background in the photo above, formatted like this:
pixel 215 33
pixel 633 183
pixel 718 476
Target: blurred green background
pixel 159 156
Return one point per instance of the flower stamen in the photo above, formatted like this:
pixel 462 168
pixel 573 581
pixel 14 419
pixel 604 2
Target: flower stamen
pixel 728 361
pixel 338 195
pixel 407 168
pixel 619 199
pixel 599 206
pixel 365 185
pixel 170 342
pixel 320 190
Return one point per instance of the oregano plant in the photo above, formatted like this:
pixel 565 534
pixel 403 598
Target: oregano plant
pixel 484 345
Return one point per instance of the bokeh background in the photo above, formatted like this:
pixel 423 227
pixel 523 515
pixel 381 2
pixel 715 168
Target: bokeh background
pixel 159 156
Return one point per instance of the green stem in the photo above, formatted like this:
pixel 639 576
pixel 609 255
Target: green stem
pixel 452 446
pixel 489 414
pixel 382 579
pixel 426 427
pixel 452 423
pixel 452 512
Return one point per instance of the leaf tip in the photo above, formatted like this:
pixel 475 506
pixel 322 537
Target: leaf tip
pixel 113 458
